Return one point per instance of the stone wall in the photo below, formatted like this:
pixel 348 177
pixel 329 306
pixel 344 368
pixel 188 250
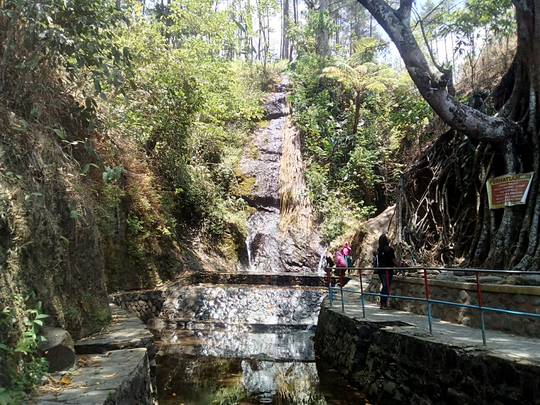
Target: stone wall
pixel 395 365
pixel 344 343
pixel 145 305
pixel 238 304
pixel 520 298
pixel 413 369
pixel 180 302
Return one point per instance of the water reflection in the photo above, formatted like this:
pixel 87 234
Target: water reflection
pixel 261 365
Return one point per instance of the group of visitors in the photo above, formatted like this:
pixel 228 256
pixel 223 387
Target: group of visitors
pixel 384 259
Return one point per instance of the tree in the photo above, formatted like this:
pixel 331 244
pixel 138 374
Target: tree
pixel 512 131
pixel 361 74
pixel 36 37
pixel 285 26
pixel 352 23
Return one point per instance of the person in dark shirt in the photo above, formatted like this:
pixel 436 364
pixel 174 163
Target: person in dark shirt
pixel 386 258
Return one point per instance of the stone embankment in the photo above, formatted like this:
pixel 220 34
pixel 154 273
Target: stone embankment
pixel 392 357
pixel 116 367
pixel 206 296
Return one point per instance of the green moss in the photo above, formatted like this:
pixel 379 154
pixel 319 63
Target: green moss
pixel 247 185
pixel 99 319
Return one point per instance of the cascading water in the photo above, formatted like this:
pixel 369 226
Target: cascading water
pixel 247 338
pixel 321 267
pixel 277 241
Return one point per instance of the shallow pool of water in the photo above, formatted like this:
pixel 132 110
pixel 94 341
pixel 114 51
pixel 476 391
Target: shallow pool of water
pixel 256 364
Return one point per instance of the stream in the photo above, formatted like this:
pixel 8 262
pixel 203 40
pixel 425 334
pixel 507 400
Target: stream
pixel 262 365
pixel 246 337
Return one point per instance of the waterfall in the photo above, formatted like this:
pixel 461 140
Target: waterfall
pixel 281 236
pixel 321 268
pixel 248 250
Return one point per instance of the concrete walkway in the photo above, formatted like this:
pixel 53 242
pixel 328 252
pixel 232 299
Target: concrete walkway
pixel 113 368
pixel 506 346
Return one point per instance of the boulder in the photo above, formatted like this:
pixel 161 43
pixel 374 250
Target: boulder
pixel 58 349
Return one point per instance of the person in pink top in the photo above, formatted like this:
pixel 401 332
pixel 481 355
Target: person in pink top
pixel 347 252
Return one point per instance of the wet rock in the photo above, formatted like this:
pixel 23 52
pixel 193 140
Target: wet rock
pixel 520 299
pixel 490 280
pixel 58 349
pixel 275 106
pixel 485 280
pixel 390 387
pixel 446 276
pixel 157 324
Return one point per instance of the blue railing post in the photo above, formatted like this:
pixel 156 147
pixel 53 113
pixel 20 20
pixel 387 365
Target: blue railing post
pixel 329 278
pixel 427 302
pixel 362 294
pixel 341 288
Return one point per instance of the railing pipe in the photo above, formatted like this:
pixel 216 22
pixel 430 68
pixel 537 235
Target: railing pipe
pixel 427 302
pixel 387 275
pixel 479 291
pixel 455 304
pixel 362 294
pixel 330 292
pixel 341 288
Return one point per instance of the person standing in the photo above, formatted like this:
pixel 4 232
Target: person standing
pixel 386 258
pixel 347 253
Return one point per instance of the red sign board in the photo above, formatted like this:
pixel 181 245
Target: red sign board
pixel 510 189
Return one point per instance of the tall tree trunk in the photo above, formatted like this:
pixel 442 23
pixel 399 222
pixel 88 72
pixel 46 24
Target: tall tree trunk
pixel 322 34
pixel 284 30
pixel 357 103
pixel 260 31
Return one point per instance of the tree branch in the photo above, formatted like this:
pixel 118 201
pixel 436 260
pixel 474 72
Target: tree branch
pixel 405 7
pixel 498 131
pixel 446 80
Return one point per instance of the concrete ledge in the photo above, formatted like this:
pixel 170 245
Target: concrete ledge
pixel 116 377
pixel 116 367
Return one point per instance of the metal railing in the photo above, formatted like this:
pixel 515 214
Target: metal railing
pixel 427 299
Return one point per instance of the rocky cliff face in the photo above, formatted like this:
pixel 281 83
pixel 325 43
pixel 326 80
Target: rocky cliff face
pixel 50 245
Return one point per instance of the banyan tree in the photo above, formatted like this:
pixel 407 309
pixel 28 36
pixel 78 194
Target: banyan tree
pixel 443 204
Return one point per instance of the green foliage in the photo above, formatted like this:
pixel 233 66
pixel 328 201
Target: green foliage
pixel 477 19
pixel 352 133
pixel 76 35
pixel 112 173
pixel 194 112
pixel 304 35
pixel 21 366
pixel 109 200
pixel 410 113
pixel 362 74
pixel 477 29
